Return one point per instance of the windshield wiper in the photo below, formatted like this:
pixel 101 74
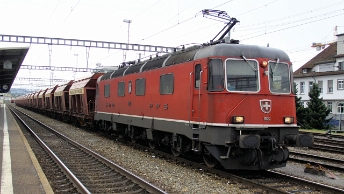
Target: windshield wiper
pixel 275 66
pixel 248 62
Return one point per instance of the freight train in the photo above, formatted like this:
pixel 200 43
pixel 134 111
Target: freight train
pixel 232 104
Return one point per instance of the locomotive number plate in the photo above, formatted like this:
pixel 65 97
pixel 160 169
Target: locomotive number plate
pixel 267 119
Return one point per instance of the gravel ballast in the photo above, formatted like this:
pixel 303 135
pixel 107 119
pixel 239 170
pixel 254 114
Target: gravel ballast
pixel 173 178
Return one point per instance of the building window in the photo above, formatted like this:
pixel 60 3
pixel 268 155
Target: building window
pixel 341 65
pixel 107 90
pixel 304 70
pixel 329 106
pixel 340 84
pixel 320 85
pixel 166 84
pixel 140 87
pixel 310 85
pixel 121 89
pixel 340 108
pixel 330 86
pixel 302 87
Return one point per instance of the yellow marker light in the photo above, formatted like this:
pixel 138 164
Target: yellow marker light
pixel 264 64
pixel 237 119
pixel 288 120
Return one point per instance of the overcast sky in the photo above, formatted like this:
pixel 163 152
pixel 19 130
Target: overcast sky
pixel 290 25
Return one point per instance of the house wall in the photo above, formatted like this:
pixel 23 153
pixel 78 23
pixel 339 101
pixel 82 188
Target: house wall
pixel 340 44
pixel 324 67
pixel 336 97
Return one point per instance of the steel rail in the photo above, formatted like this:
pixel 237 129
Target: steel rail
pixel 304 161
pixel 136 179
pixel 80 187
pixel 311 184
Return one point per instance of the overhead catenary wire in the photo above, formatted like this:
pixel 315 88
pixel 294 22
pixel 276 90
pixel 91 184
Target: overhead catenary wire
pixel 177 15
pixel 239 29
pixel 274 26
pixel 291 27
pixel 291 16
pixel 51 15
pixel 188 32
pixel 72 8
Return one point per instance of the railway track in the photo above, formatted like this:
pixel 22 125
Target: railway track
pixel 288 183
pixel 330 148
pixel 273 182
pixel 329 163
pixel 329 143
pixel 73 168
pixel 267 181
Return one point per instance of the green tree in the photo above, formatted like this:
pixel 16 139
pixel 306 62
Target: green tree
pixel 317 111
pixel 301 111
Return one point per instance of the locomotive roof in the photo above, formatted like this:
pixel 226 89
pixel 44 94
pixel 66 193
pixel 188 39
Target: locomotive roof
pixel 199 52
pixel 238 50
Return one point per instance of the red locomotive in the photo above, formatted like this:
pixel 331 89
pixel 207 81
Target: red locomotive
pixel 233 104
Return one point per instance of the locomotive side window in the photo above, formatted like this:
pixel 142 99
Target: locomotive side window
pixel 121 89
pixel 97 92
pixel 166 84
pixel 197 75
pixel 279 77
pixel 107 90
pixel 130 87
pixel 242 75
pixel 140 87
pixel 215 75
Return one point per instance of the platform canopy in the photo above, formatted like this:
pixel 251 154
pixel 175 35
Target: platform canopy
pixel 10 61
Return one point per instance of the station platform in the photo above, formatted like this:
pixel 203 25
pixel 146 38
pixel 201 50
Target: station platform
pixel 20 170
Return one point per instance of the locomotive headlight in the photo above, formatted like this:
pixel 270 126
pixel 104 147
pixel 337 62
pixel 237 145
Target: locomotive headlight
pixel 263 64
pixel 237 119
pixel 288 120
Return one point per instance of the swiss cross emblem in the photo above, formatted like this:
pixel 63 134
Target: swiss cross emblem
pixel 265 105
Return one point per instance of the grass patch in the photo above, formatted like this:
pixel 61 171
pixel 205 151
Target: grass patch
pixel 313 130
pixel 333 131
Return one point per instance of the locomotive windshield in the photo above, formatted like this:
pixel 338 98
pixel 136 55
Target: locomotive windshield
pixel 242 75
pixel 279 79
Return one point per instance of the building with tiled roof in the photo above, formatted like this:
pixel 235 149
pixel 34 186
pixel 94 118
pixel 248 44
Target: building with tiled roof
pixel 327 70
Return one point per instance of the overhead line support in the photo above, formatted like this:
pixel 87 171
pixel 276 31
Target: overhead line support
pixel 84 43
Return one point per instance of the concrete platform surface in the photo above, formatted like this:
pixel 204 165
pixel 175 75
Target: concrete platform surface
pixel 20 171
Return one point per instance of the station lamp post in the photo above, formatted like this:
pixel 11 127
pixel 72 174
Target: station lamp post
pixel 128 22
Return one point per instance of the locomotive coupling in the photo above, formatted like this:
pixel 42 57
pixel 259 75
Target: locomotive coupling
pixel 249 141
pixel 299 140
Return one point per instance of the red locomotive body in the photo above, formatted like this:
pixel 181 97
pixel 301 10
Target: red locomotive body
pixel 231 103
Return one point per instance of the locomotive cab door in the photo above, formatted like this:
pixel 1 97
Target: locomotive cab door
pixel 196 92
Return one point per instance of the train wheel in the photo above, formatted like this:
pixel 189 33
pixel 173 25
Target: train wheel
pixel 175 152
pixel 210 160
pixel 152 144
